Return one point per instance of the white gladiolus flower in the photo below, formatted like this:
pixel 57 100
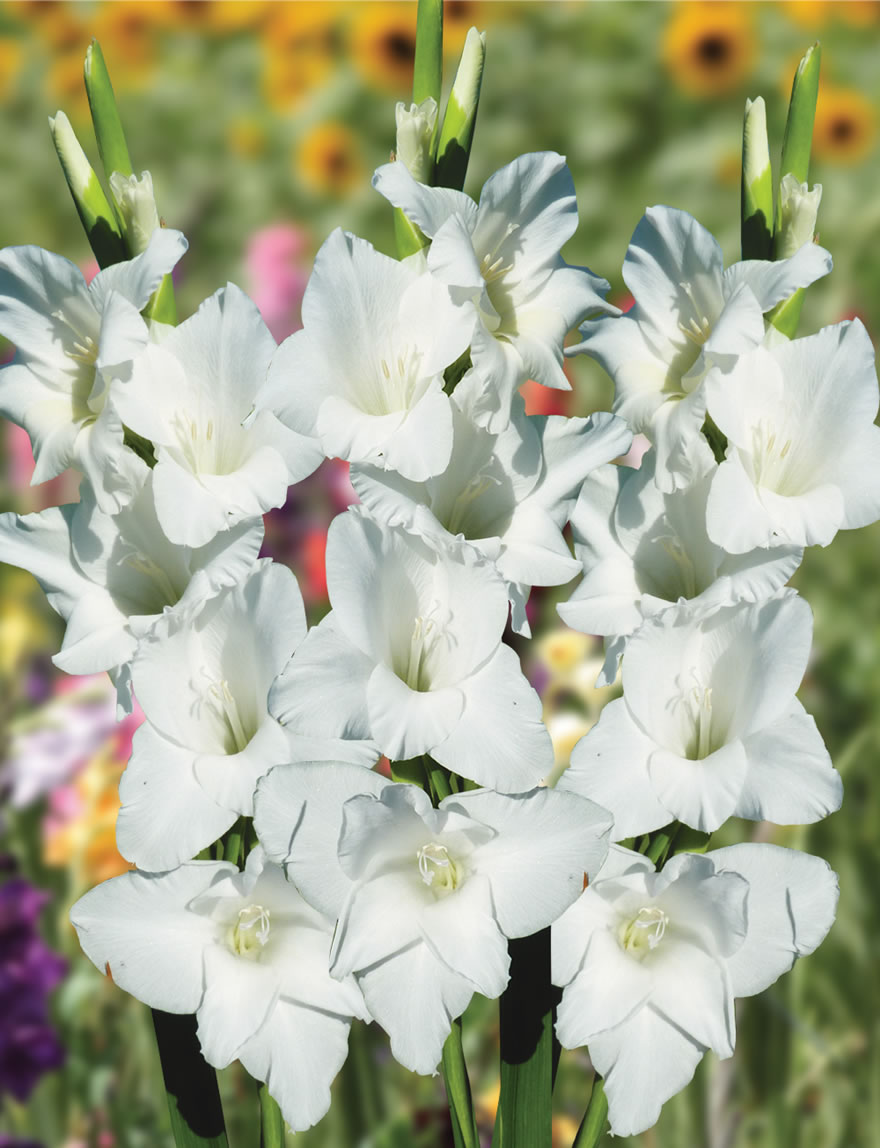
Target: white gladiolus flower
pixel 501 262
pixel 426 898
pixel 247 955
pixel 111 577
pixel 650 963
pixel 365 375
pixel 803 457
pixel 709 726
pixel 411 658
pixel 202 679
pixel 191 397
pixel 509 494
pixel 72 340
pixel 642 551
pixel 690 313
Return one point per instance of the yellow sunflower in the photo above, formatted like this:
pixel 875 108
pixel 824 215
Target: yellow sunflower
pixel 383 43
pixel 328 159
pixel 844 128
pixel 299 48
pixel 709 47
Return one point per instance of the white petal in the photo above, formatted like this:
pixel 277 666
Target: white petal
pixel 166 816
pixel 692 990
pixel 703 793
pixel 415 998
pixel 138 928
pixel 298 1052
pixel 323 690
pixel 791 905
pixel 379 918
pixel 546 842
pixel 500 739
pixel 298 817
pixel 427 207
pixel 462 931
pixel 790 778
pixel 610 766
pixel 405 722
pixel 773 281
pixel 138 278
pixel 239 996
pixel 644 1061
pixel 608 987
pixel 535 192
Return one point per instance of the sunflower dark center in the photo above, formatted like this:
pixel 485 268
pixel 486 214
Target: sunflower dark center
pixel 713 49
pixel 399 47
pixel 842 129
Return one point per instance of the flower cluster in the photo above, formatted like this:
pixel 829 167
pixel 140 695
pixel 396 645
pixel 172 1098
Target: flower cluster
pixel 760 446
pixel 367 898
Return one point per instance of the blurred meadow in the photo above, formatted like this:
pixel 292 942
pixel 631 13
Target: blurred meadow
pixel 261 124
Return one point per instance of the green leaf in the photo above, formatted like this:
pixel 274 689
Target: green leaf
pixel 757 184
pixel 428 68
pixel 105 115
pixel 457 133
pixel 458 1090
pixel 529 1050
pixel 190 1084
pixel 97 216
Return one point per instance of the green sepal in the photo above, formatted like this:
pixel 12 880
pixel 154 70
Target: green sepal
pixel 162 307
pixel 756 227
pixel 97 216
pixel 786 315
pixel 105 115
pixel 457 132
pixel 408 237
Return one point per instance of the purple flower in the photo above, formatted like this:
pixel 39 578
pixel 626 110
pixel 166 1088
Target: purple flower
pixel 29 970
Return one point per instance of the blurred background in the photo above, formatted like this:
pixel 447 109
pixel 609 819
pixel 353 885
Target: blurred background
pixel 261 124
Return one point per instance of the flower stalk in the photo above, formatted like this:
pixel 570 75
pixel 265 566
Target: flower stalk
pixel 190 1084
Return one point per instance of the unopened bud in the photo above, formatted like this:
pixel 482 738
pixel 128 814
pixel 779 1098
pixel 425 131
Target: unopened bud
pixel 798 208
pixel 136 204
pixel 415 137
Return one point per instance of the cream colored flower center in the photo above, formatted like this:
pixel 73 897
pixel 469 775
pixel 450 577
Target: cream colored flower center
pixel 250 933
pixel 437 869
pixel 644 932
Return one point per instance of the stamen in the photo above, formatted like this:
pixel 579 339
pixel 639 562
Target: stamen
pixel 437 868
pixel 250 933
pixel 644 932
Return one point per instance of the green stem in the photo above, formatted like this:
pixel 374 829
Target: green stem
pixel 428 66
pixel 458 1089
pixel 190 1084
pixel 529 1049
pixel 271 1121
pixel 595 1118
pixel 105 115
pixel 233 842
